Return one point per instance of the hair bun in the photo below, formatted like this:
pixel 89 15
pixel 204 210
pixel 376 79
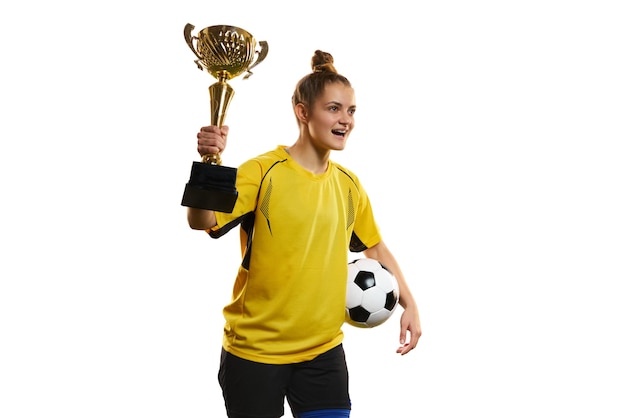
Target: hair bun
pixel 322 61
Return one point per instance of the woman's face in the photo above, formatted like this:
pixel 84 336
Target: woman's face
pixel 331 118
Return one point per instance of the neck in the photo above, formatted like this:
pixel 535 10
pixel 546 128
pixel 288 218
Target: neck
pixel 310 158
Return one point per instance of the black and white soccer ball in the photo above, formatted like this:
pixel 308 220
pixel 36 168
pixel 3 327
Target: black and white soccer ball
pixel 372 293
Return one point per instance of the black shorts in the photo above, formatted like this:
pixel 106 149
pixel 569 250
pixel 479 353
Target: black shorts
pixel 258 390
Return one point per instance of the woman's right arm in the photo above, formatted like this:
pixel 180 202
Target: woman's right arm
pixel 211 140
pixel 201 219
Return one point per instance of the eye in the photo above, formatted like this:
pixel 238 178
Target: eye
pixel 333 108
pixel 351 111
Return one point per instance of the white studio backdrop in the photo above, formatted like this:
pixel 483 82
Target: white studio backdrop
pixel 489 136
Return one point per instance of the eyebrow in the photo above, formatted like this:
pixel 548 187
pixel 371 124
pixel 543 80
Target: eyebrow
pixel 333 102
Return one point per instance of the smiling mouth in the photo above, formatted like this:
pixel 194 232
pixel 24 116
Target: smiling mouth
pixel 339 132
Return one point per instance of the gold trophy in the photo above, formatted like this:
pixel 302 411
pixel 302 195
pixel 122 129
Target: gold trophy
pixel 225 52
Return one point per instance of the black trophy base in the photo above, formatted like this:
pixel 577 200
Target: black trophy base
pixel 211 187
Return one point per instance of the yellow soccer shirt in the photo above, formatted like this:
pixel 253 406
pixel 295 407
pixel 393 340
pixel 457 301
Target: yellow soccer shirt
pixel 288 299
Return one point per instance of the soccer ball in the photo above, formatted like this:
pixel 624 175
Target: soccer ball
pixel 372 293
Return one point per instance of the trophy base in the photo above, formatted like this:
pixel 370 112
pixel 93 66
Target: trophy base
pixel 211 187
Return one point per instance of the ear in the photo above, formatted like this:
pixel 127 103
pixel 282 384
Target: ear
pixel 301 112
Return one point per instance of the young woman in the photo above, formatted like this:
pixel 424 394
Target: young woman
pixel 299 215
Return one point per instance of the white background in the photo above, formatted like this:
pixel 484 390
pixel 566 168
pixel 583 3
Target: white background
pixel 490 136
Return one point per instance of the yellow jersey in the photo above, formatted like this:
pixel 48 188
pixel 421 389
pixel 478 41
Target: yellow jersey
pixel 288 300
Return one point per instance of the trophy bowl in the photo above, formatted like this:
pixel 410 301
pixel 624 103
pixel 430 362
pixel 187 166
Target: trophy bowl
pixel 225 51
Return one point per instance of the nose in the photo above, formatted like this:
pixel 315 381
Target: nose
pixel 346 118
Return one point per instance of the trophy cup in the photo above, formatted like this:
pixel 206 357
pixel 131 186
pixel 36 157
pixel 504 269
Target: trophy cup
pixel 225 52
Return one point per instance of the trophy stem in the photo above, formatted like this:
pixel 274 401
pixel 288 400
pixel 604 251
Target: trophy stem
pixel 221 94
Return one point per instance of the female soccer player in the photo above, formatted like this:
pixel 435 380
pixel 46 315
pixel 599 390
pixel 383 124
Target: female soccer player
pixel 299 214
